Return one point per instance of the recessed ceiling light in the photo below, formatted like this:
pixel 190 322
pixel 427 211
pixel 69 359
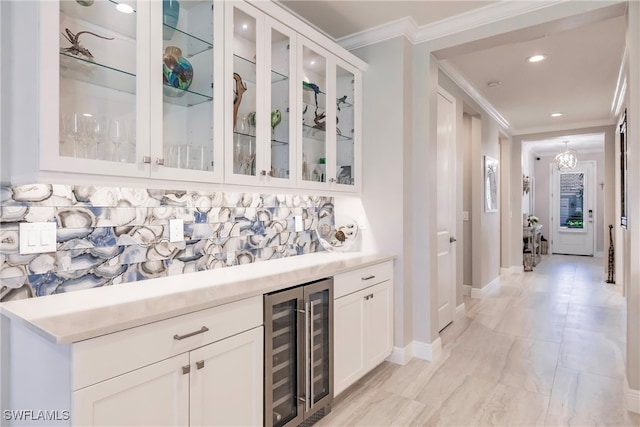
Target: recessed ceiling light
pixel 312 62
pixel 537 58
pixel 245 26
pixel 87 114
pixel 494 83
pixel 124 8
pixel 556 114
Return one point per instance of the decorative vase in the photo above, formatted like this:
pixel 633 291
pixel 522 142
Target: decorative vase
pixel 177 72
pixel 170 13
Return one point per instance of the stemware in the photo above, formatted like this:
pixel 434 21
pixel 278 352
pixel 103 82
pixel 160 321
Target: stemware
pixel 131 139
pixel 75 130
pixel 118 135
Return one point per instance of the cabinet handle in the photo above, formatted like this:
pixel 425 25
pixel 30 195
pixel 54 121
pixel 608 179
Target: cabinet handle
pixel 146 159
pixel 302 399
pixel 369 277
pixel 263 172
pixel 190 334
pixel 368 296
pixel 160 162
pixel 200 364
pixel 186 369
pixel 332 180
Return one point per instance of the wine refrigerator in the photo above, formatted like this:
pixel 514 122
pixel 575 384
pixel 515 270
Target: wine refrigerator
pixel 298 354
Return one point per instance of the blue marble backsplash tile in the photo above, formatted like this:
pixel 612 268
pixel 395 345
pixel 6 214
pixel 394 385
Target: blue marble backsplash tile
pixel 112 235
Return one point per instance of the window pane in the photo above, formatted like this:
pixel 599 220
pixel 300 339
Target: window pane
pixel 571 200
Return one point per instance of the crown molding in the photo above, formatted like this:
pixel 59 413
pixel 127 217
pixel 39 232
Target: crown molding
pixel 403 27
pixel 470 90
pixel 565 127
pixel 406 27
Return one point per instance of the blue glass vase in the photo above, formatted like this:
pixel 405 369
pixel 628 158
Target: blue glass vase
pixel 177 72
pixel 170 14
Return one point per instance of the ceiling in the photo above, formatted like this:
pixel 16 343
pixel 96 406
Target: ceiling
pixel 578 77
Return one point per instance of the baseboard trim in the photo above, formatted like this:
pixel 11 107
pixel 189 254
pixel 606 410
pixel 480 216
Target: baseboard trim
pixel 633 398
pixel 426 351
pixel 486 290
pixel 514 269
pixel 401 355
pixel 460 312
pixel 466 290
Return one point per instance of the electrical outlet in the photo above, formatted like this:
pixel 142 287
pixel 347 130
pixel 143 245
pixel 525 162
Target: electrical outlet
pixel 37 237
pixel 298 223
pixel 465 216
pixel 176 230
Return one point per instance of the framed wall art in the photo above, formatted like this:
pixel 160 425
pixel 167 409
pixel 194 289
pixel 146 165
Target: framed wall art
pixel 490 184
pixel 623 171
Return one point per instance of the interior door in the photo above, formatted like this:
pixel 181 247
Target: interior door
pixel 573 214
pixel 446 212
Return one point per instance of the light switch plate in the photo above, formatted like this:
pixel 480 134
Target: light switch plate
pixel 176 230
pixel 298 223
pixel 37 237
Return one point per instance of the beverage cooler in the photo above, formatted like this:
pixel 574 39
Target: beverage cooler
pixel 298 354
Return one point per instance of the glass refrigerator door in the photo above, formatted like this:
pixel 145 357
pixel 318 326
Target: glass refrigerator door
pixel 282 354
pixel 320 337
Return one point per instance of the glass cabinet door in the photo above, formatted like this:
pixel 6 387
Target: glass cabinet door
pixel 314 116
pixel 345 126
pixel 248 121
pixel 280 154
pixel 98 98
pixel 187 85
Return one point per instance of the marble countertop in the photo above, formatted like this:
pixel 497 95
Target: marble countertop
pixel 77 316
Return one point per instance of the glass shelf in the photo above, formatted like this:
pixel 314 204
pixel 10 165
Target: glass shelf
pixel 188 43
pixel 319 134
pixel 189 99
pixel 277 143
pixel 75 68
pixel 243 134
pixel 246 67
pixel 102 14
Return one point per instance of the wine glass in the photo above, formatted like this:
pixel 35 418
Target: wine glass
pixel 74 129
pixel 131 139
pixel 118 135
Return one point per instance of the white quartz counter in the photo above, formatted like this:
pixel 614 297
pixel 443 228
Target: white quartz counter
pixel 77 316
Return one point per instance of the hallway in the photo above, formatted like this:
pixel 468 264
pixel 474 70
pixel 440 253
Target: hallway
pixel 547 348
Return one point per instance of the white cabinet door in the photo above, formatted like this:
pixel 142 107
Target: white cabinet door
pixel 155 395
pixel 349 340
pixel 226 381
pixel 379 323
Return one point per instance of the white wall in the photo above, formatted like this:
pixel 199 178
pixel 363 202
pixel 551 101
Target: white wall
pixel 386 188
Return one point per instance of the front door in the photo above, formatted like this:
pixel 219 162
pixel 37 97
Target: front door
pixel 573 214
pixel 445 201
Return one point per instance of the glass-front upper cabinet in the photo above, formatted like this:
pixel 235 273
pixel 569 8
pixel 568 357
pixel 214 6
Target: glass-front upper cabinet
pixel 330 128
pixel 185 95
pixel 99 73
pixel 260 95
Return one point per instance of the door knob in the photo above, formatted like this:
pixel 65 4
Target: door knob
pixel 452 239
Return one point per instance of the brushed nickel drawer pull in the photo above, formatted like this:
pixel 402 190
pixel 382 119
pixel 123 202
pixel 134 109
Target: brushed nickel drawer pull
pixel 190 334
pixel 186 369
pixel 200 364
pixel 369 277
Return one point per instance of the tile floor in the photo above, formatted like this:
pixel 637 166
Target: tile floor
pixel 547 348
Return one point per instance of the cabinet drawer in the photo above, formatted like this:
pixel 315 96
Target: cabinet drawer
pixel 104 357
pixel 346 283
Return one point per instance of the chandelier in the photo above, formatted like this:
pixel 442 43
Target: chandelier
pixel 566 160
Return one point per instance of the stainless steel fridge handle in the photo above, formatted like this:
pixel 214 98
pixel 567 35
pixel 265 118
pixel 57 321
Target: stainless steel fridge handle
pixel 311 365
pixel 307 354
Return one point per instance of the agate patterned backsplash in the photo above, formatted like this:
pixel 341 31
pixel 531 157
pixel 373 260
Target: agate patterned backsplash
pixel 113 235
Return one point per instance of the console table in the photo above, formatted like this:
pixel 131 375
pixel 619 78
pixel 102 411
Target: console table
pixel 531 238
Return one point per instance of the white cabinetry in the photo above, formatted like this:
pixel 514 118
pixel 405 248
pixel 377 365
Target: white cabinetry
pixel 363 324
pixel 201 368
pixel 113 113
